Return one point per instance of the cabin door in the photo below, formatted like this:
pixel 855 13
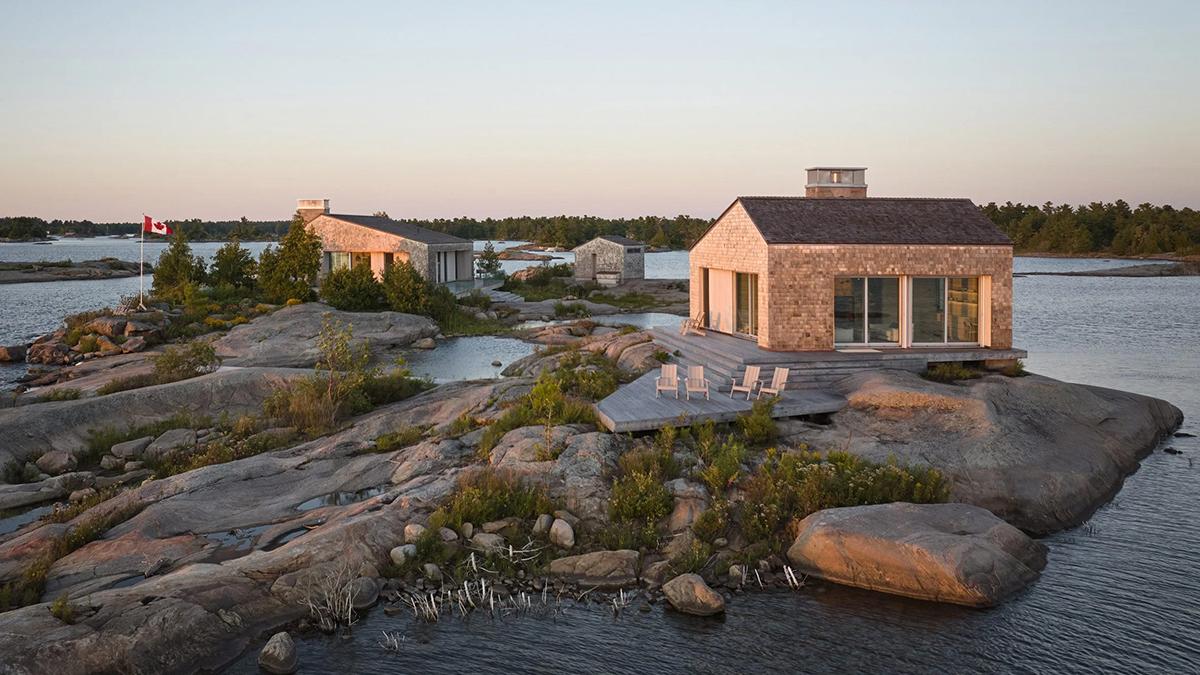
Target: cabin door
pixel 720 300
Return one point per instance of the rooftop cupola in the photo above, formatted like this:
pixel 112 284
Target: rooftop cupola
pixel 826 182
pixel 310 209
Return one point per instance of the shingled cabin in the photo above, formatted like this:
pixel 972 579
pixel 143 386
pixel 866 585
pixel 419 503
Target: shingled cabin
pixel 378 241
pixel 837 270
pixel 609 260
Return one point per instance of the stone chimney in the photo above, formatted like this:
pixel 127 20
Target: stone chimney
pixel 831 182
pixel 309 209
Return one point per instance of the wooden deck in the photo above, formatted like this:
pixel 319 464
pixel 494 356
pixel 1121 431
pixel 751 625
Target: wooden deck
pixel 633 407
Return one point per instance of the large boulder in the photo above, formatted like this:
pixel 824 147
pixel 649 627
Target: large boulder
pixel 602 569
pixel 288 337
pixel 169 442
pixel 954 553
pixel 109 326
pixel 1039 453
pixel 56 462
pixel 689 594
pixel 278 657
pixel 12 353
pixel 131 449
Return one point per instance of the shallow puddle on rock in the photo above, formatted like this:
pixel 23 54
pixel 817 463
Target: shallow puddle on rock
pixel 14 519
pixel 340 498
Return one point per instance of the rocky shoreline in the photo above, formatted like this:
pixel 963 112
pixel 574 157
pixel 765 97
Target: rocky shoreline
pixel 1163 269
pixel 193 568
pixel 66 270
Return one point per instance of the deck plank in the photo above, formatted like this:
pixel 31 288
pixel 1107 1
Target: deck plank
pixel 633 406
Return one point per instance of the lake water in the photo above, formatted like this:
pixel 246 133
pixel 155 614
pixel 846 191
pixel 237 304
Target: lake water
pixel 1120 594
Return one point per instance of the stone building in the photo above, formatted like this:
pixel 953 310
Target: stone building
pixel 379 241
pixel 610 259
pixel 836 269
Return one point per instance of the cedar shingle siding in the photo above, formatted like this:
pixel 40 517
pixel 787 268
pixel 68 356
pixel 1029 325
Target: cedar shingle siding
pixel 608 255
pixel 798 247
pixel 379 236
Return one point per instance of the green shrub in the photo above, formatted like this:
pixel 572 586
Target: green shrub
pixel 353 289
pixel 17 472
pixel 476 299
pixel 489 494
pixel 87 344
pixel 950 373
pixel 724 466
pixel 634 300
pixel 757 426
pixel 639 499
pixel 60 394
pixel 704 438
pixel 393 386
pixel 548 406
pixel 711 522
pixel 315 404
pixel 405 289
pixel 183 361
pixel 463 424
pixel 233 267
pixel 661 356
pixel 657 461
pixel 488 264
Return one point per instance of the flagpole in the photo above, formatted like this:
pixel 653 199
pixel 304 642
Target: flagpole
pixel 141 262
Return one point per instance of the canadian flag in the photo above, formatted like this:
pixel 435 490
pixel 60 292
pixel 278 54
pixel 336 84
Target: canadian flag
pixel 154 227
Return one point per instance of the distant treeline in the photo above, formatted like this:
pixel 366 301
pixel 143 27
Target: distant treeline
pixel 29 227
pixel 1113 228
pixel 1109 228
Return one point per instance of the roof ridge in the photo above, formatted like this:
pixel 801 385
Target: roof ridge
pixel 859 199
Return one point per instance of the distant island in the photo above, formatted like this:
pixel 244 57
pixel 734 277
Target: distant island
pixel 1097 229
pixel 66 270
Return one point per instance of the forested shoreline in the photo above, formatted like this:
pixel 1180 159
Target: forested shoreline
pixel 1110 228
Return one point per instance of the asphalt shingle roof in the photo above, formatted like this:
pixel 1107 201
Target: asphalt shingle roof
pixel 618 239
pixel 872 220
pixel 401 229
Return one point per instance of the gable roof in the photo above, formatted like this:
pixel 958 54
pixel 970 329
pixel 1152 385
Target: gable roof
pixel 618 239
pixel 871 220
pixel 400 229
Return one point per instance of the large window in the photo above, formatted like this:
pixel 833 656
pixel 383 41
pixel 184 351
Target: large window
pixel 866 310
pixel 746 304
pixel 945 310
pixel 339 260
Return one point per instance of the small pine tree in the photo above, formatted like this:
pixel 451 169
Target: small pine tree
pixel 488 264
pixel 177 269
pixel 405 289
pixel 233 266
pixel 353 290
pixel 291 271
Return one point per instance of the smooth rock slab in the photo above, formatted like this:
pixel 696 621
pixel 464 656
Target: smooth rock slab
pixel 603 569
pixel 131 449
pixel 689 594
pixel 955 553
pixel 169 442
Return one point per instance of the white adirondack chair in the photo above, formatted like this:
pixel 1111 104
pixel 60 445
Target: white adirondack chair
pixel 778 383
pixel 749 382
pixel 695 382
pixel 668 380
pixel 690 325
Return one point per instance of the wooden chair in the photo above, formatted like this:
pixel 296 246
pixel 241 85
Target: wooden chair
pixel 695 382
pixel 695 325
pixel 778 383
pixel 668 380
pixel 749 382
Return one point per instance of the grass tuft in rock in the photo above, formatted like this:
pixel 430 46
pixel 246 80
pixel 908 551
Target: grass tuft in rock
pixel 571 310
pixel 62 610
pixel 62 394
pixel 712 522
pixel 787 487
pixel 399 439
pixel 550 405
pixel 1014 369
pixel 490 494
pixel 17 472
pixel 694 559
pixel 101 440
pixel 950 372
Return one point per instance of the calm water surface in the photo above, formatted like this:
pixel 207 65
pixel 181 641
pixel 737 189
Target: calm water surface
pixel 1120 594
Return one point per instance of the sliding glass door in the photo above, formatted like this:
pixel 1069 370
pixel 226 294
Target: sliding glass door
pixel 746 304
pixel 866 310
pixel 945 310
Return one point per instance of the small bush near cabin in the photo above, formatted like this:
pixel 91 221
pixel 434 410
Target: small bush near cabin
pixel 950 372
pixel 353 289
pixel 757 426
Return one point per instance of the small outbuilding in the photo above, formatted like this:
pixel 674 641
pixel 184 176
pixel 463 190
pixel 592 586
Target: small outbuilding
pixel 610 259
pixel 378 242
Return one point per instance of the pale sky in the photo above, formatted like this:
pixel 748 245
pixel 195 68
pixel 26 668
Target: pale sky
pixel 218 110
